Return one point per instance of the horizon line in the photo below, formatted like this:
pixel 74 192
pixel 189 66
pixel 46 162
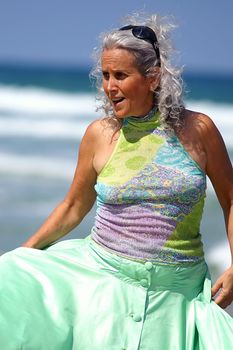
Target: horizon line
pixel 71 66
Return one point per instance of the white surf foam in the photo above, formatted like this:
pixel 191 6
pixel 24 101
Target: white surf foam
pixel 43 104
pixel 41 113
pixel 35 101
pixel 50 128
pixel 36 166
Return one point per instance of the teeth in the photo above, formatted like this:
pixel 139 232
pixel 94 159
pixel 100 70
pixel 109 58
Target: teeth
pixel 117 99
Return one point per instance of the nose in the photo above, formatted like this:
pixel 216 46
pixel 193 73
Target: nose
pixel 111 84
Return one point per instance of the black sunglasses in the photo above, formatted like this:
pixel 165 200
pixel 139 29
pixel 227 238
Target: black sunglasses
pixel 147 34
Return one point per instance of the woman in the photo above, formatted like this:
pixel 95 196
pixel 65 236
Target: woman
pixel 140 280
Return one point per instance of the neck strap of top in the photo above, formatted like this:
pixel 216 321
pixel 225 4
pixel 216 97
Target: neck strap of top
pixel 149 120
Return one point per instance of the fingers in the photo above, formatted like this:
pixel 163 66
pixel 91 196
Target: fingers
pixel 222 301
pixel 216 287
pixel 224 298
pixel 224 287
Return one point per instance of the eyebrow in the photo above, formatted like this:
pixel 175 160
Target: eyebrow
pixel 125 71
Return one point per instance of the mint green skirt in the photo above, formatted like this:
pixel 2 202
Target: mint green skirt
pixel 77 296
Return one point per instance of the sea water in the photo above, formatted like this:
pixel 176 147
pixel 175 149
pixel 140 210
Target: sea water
pixel 44 112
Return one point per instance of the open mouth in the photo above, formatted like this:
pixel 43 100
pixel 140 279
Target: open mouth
pixel 116 101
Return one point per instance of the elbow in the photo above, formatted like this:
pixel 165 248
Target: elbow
pixel 78 208
pixel 227 208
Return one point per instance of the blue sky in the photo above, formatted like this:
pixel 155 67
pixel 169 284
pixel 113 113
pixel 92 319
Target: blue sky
pixel 65 31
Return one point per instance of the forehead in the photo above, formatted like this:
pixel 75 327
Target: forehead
pixel 117 59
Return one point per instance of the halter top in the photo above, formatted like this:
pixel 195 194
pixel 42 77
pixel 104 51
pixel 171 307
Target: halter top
pixel 150 196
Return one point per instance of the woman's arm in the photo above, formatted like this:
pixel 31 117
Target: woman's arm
pixel 79 200
pixel 220 172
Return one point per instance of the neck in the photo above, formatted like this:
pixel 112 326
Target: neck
pixel 148 121
pixel 148 116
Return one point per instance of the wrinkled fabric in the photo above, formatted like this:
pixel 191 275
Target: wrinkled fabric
pixel 76 295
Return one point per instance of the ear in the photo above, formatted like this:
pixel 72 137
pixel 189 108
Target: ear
pixel 155 79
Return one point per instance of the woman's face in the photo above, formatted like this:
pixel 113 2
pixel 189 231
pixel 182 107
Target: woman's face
pixel 130 93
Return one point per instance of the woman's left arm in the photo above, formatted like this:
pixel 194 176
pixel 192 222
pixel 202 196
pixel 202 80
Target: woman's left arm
pixel 219 170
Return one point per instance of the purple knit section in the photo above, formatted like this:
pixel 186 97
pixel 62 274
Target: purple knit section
pixel 130 231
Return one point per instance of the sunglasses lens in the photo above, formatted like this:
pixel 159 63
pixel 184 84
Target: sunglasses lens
pixel 144 33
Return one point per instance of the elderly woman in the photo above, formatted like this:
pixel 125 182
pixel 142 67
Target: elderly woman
pixel 140 280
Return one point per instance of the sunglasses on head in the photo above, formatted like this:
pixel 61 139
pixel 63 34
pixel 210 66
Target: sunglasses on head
pixel 147 34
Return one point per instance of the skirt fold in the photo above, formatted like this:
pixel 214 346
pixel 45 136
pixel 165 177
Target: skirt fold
pixel 75 295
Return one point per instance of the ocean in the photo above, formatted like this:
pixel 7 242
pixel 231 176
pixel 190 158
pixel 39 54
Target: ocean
pixel 44 112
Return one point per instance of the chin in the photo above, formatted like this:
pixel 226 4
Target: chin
pixel 121 114
pixel 124 114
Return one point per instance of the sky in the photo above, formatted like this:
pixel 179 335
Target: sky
pixel 64 32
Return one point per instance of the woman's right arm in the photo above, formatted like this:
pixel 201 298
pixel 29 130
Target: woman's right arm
pixel 78 201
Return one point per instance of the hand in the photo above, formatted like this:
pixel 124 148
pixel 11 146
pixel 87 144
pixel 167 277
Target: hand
pixel 224 285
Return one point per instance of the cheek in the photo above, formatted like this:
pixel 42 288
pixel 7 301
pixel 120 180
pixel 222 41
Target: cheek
pixel 105 89
pixel 133 93
pixel 138 95
pixel 104 86
pixel 139 89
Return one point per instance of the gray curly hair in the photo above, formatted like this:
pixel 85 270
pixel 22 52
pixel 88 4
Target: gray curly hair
pixel 169 95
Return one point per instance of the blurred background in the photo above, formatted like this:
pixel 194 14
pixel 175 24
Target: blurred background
pixel 47 100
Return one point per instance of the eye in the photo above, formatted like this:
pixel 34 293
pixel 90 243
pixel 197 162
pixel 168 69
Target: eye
pixel 120 75
pixel 105 75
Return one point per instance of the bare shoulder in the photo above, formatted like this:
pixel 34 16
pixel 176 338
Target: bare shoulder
pixel 201 127
pixel 94 129
pixel 98 129
pixel 201 138
pixel 198 121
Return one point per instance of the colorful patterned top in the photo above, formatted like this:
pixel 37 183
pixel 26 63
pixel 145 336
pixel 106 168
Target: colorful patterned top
pixel 150 196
